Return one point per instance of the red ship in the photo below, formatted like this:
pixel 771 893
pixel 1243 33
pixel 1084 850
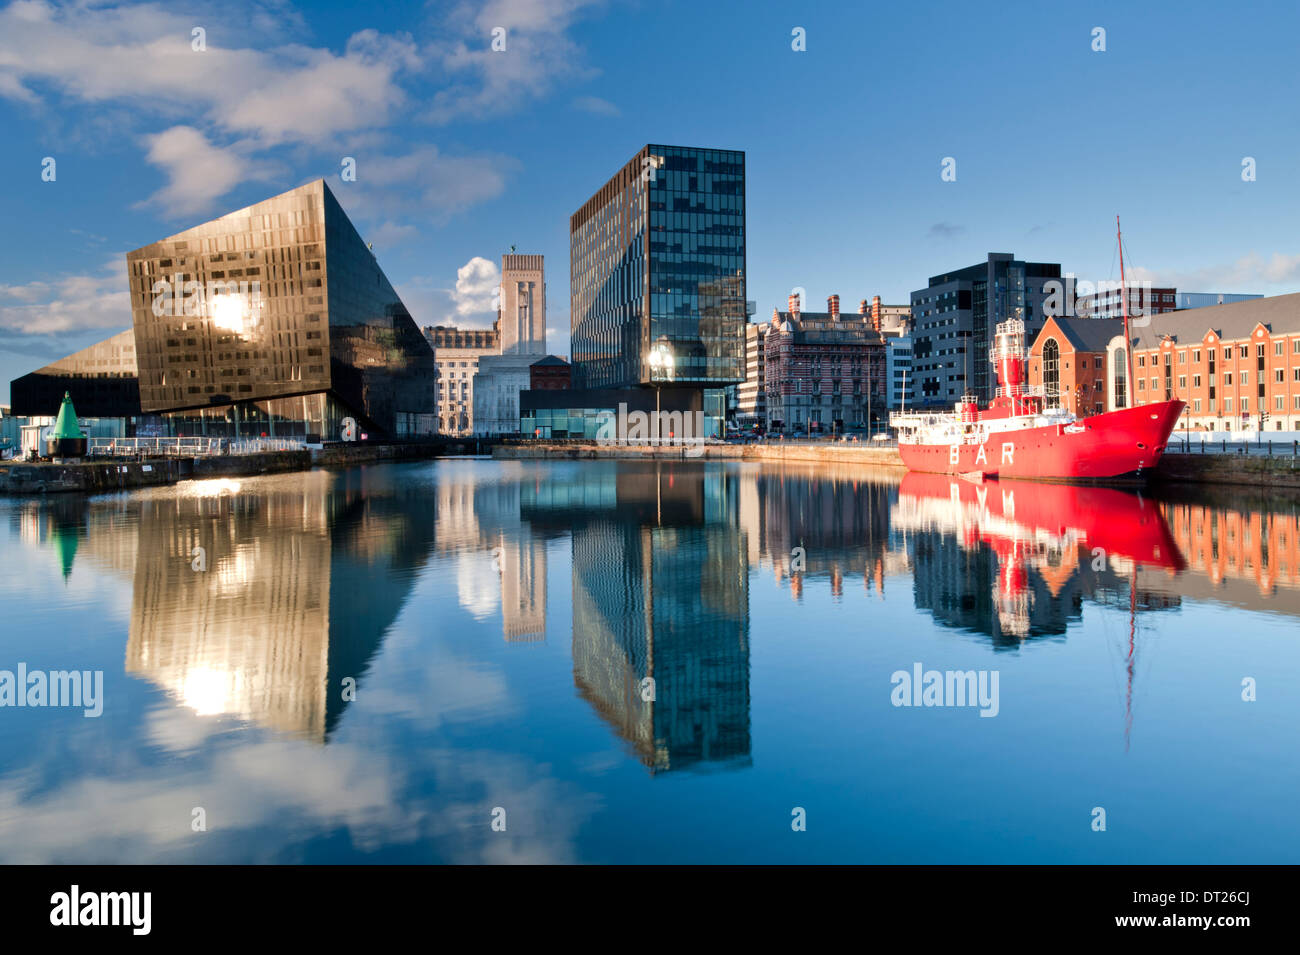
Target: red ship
pixel 1024 434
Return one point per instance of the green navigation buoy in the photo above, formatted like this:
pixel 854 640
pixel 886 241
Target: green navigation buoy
pixel 67 440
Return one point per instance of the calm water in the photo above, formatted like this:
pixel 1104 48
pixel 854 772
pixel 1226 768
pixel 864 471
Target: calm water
pixel 498 620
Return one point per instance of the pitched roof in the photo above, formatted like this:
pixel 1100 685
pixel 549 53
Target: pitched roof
pixel 549 360
pixel 1236 320
pixel 1090 334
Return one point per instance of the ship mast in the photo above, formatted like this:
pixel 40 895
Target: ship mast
pixel 1123 302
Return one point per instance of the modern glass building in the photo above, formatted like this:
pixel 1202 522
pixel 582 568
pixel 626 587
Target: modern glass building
pixel 660 592
pixel 657 261
pixel 101 380
pixel 954 318
pixel 276 320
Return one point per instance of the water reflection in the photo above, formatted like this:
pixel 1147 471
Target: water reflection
pixel 1015 560
pixel 544 628
pixel 253 606
pixel 660 606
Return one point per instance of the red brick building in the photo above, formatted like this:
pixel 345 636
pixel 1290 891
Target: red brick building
pixel 550 374
pixel 825 372
pixel 1068 360
pixel 1237 365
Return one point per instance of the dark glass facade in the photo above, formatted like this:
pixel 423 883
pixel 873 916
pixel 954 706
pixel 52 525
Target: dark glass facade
pixel 276 319
pixel 579 413
pixel 660 591
pixel 955 316
pixel 657 258
pixel 101 380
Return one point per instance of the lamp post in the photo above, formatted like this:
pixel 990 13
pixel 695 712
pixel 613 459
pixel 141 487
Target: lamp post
pixel 660 360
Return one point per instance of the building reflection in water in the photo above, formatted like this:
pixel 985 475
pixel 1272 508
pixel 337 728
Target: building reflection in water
pixel 256 606
pixel 304 574
pixel 1238 551
pixel 824 523
pixel 660 591
pixel 1015 560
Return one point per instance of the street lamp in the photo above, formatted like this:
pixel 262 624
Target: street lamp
pixel 661 362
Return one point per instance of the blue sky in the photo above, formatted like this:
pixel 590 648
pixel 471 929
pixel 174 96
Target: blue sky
pixel 462 152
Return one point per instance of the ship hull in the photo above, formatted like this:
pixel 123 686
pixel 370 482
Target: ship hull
pixel 1117 445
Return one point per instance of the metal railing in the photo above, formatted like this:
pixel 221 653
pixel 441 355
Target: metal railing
pixel 187 447
pixel 1247 446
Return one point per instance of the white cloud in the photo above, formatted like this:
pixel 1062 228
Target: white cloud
pixel 594 104
pixel 538 56
pixel 70 303
pixel 143 54
pixel 477 282
pixel 1250 273
pixel 198 172
pixel 443 184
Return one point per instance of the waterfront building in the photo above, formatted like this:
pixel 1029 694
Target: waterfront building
pixel 1236 365
pixel 900 379
pixel 277 320
pixel 825 372
pixel 1206 299
pixel 551 373
pixel 457 353
pixel 657 268
pixel 1149 301
pixel 1069 362
pixel 101 379
pixel 954 316
pixel 751 394
pixel 521 323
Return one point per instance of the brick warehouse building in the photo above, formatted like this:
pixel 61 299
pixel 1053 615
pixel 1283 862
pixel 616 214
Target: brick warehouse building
pixel 1068 361
pixel 1237 365
pixel 824 371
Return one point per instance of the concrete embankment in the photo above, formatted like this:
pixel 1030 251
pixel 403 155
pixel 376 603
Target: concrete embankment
pixel 1242 470
pixel 809 453
pixel 1257 471
pixel 102 475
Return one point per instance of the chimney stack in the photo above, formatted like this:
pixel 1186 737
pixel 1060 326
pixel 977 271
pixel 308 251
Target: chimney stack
pixel 862 307
pixel 833 306
pixel 875 312
pixel 793 304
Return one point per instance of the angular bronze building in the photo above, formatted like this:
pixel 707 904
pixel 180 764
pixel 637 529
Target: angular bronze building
pixel 276 320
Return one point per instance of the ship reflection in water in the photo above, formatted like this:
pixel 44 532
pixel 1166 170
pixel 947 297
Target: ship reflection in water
pixel 392 651
pixel 1015 559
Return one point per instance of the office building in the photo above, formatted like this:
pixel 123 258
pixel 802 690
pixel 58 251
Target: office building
pixel 521 323
pixel 657 268
pixel 277 320
pixel 900 381
pixel 457 353
pixel 825 372
pixel 751 394
pixel 1144 301
pixel 954 316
